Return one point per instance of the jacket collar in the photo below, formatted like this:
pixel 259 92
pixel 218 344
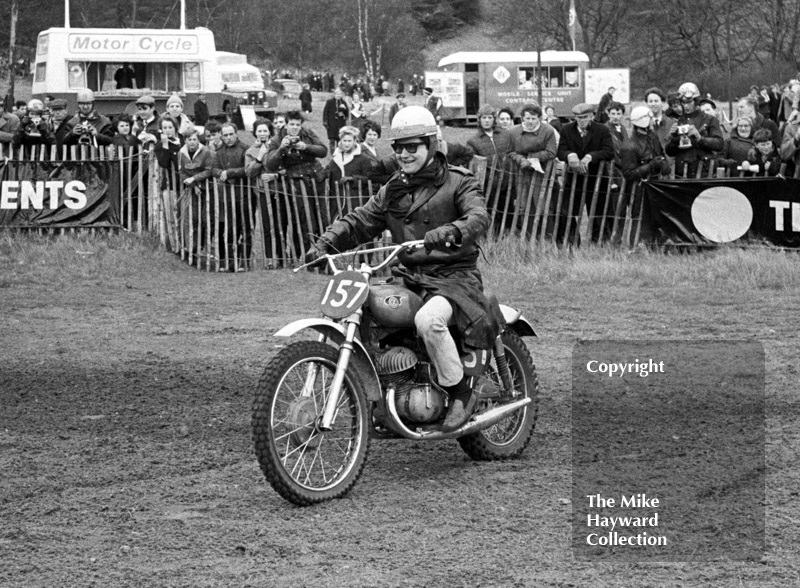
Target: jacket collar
pixel 185 151
pixel 342 159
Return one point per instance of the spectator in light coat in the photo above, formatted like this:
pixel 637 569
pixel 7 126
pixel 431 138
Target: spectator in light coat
pixel 533 146
pixel 533 139
pixel 348 165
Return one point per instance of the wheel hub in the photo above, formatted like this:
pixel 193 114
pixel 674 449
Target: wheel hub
pixel 302 419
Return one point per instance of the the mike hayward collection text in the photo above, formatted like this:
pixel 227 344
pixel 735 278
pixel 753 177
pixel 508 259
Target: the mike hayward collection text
pixel 614 530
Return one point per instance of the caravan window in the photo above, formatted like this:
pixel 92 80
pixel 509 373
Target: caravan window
pixel 554 76
pixel 159 77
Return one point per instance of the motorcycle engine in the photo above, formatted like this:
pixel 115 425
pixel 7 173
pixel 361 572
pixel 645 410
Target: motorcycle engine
pixel 416 401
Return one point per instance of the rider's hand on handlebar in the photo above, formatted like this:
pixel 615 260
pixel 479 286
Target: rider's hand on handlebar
pixel 442 238
pixel 313 257
pixel 321 248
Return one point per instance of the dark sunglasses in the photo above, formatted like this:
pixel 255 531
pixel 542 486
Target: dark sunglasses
pixel 411 148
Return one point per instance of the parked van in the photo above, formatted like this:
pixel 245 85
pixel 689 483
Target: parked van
pixel 512 78
pixel 120 65
pixel 245 83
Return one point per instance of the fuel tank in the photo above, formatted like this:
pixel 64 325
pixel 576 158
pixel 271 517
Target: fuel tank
pixel 393 305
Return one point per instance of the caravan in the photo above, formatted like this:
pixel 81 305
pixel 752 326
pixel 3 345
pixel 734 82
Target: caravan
pixel 561 79
pixel 120 65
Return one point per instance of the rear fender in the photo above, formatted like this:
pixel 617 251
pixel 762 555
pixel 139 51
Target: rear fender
pixel 517 322
pixel 336 334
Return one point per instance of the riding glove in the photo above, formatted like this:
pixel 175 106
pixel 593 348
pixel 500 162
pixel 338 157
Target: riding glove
pixel 442 237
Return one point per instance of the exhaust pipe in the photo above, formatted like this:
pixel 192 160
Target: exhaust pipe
pixel 476 423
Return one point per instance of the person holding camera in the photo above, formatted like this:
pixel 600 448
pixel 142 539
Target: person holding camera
pixel 34 129
pixel 88 127
pixel 696 137
pixel 334 117
pixel 296 150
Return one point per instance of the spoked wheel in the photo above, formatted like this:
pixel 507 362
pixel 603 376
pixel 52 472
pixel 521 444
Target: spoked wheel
pixel 303 463
pixel 509 437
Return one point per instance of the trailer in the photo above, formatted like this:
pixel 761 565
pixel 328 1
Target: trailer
pixel 469 79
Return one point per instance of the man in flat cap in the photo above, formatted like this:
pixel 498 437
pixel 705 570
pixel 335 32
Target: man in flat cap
pixel 584 144
pixel 145 125
pixel 59 116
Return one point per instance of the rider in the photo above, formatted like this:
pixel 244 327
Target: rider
pixel 428 199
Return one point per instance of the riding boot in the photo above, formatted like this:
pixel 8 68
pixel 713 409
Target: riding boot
pixel 462 404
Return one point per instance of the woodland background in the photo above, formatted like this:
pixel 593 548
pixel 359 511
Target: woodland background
pixel 723 45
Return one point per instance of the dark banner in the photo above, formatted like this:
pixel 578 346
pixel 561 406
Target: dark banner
pixel 707 212
pixel 63 194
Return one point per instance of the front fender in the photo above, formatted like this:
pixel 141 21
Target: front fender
pixel 336 334
pixel 517 322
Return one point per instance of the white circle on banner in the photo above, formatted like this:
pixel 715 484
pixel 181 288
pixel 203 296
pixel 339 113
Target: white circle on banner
pixel 722 214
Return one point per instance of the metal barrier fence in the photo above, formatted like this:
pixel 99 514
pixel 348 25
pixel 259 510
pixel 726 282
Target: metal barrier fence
pixel 270 221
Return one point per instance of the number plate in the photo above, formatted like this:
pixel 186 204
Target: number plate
pixel 344 295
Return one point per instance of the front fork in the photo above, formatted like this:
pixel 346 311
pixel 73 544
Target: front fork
pixel 502 366
pixel 345 353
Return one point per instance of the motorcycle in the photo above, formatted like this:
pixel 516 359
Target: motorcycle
pixel 367 375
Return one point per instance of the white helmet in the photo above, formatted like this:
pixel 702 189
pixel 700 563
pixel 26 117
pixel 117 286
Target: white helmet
pixel 689 90
pixel 413 121
pixel 35 106
pixel 85 95
pixel 640 117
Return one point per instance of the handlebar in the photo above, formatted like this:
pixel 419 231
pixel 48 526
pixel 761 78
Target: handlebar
pixel 395 249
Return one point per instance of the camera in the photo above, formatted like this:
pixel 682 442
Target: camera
pixel 685 142
pixel 293 139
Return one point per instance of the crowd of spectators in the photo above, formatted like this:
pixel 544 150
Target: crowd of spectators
pixel 676 133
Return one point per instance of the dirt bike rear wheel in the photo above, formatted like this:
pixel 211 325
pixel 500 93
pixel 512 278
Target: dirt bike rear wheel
pixel 302 463
pixel 509 437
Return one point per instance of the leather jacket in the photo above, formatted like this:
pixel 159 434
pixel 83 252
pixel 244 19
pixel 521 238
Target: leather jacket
pixel 456 199
pixel 298 164
pixel 704 148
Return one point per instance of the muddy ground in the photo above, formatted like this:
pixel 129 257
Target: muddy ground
pixel 126 456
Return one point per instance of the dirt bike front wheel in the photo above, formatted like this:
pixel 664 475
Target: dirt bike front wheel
pixel 511 436
pixel 303 463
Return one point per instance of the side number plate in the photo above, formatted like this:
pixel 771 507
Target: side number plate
pixel 345 293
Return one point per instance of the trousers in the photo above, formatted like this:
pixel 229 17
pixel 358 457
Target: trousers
pixel 431 321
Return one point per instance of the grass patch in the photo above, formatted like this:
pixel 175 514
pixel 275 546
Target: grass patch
pixel 726 268
pixel 51 259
